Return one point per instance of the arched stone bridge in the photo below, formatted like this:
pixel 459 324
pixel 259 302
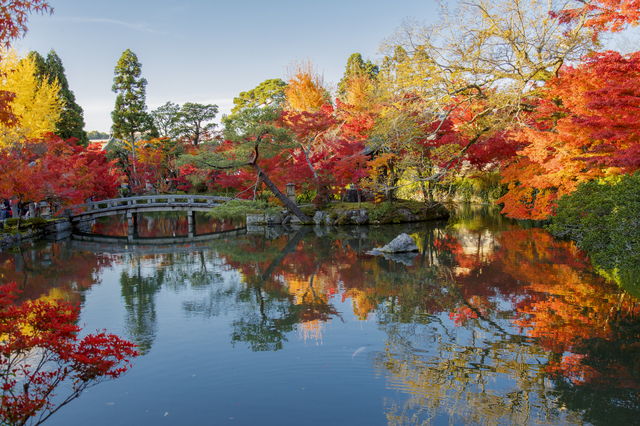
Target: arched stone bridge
pixel 148 203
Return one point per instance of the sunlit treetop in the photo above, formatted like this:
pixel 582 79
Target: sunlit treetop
pixel 269 92
pixel 357 67
pixel 71 123
pixel 306 89
pixel 37 106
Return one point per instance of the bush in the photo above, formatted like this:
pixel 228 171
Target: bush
pixel 308 210
pixel 35 222
pixel 238 209
pixel 604 220
pixel 382 212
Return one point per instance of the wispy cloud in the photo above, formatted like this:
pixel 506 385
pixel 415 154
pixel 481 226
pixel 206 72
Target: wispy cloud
pixel 137 27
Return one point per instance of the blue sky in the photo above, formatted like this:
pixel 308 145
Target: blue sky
pixel 208 51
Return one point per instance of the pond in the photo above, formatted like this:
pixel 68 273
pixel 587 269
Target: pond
pixel 490 323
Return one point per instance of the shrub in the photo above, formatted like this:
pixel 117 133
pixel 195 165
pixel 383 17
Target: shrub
pixel 382 212
pixel 308 210
pixel 238 209
pixel 604 220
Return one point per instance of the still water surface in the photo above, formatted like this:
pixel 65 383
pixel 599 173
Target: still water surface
pixel 489 324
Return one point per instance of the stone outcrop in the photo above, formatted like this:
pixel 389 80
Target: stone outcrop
pixel 402 250
pixel 403 243
pixel 322 218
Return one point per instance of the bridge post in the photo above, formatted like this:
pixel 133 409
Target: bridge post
pixel 192 223
pixel 132 221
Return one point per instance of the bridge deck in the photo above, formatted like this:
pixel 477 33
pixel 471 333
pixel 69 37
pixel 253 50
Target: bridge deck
pixel 146 203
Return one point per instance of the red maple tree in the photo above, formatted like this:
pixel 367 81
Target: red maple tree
pixel 40 350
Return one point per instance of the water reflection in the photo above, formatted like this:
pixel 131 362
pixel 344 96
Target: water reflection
pixel 50 270
pixel 161 224
pixel 489 323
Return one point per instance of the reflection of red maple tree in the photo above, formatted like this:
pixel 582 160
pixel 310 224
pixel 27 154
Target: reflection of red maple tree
pixel 39 271
pixel 565 305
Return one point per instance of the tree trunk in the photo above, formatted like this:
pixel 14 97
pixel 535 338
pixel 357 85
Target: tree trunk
pixel 279 195
pixel 425 195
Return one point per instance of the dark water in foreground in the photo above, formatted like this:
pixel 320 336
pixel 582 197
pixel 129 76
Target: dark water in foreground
pixel 489 324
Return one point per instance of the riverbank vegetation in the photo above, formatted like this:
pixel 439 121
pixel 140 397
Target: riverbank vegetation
pixel 509 101
pixel 499 101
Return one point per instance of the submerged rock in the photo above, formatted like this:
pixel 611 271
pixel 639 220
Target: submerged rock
pixel 406 258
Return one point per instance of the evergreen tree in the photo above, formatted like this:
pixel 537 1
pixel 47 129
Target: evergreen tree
pixel 195 120
pixel 71 123
pixel 268 93
pixel 166 120
pixel 356 65
pixel 129 115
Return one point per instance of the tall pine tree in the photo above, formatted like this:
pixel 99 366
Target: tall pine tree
pixel 130 114
pixel 71 123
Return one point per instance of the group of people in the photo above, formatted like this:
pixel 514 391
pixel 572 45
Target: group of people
pixel 5 213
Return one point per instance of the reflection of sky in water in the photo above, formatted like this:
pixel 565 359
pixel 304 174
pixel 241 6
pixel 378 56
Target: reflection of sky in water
pixel 271 331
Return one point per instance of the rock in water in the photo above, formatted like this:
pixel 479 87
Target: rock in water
pixel 401 244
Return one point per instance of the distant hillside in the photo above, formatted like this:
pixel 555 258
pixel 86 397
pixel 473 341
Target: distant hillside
pixel 94 134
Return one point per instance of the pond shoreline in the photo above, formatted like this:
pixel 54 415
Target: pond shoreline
pixel 337 215
pixel 57 228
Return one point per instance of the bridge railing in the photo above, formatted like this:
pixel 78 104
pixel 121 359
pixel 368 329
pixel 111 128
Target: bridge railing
pixel 148 200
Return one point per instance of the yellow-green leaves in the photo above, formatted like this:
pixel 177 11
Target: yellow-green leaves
pixel 36 105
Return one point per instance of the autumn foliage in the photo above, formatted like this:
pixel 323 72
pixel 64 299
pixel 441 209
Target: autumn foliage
pixel 41 351
pixel 584 128
pixel 52 169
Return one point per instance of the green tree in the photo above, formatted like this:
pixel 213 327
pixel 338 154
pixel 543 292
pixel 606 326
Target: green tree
pixel 130 113
pixel 602 217
pixel 71 123
pixel 357 66
pixel 268 93
pixel 166 119
pixel 195 120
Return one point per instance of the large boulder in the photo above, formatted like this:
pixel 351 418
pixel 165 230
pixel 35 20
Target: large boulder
pixel 320 218
pixel 403 243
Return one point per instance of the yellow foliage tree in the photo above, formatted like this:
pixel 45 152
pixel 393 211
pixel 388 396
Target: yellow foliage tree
pixel 305 89
pixel 36 105
pixel 358 95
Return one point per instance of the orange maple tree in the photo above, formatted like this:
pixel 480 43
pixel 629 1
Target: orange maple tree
pixel 584 128
pixel 602 15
